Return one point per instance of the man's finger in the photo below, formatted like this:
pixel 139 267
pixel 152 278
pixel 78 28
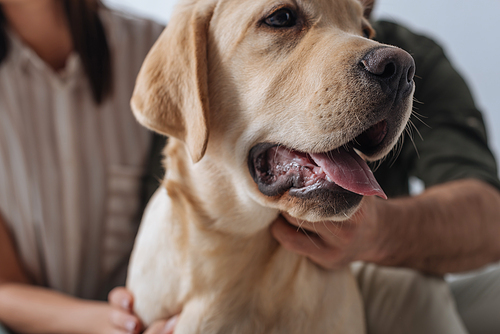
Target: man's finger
pixel 310 245
pixel 292 238
pixel 122 298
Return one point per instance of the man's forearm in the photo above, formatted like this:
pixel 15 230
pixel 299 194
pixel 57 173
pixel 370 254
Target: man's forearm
pixel 452 227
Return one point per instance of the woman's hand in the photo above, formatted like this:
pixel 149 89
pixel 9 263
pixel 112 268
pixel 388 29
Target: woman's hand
pixel 122 315
pixel 162 326
pixel 125 321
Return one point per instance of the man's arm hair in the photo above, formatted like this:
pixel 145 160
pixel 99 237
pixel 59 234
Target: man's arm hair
pixel 452 227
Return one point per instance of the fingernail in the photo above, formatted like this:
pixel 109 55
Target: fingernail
pixel 126 304
pixel 170 325
pixel 130 325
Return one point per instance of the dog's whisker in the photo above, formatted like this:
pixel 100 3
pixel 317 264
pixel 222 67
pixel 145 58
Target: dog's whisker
pixel 416 113
pixel 397 150
pixel 416 129
pixel 414 145
pixel 337 229
pixel 301 223
pixel 377 164
pixel 326 226
pixel 316 231
pixel 276 152
pixel 419 118
pixel 330 155
pixel 357 117
pixel 417 101
pixel 342 224
pixel 310 239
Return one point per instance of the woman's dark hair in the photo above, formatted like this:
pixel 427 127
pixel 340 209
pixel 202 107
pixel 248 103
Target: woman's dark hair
pixel 3 38
pixel 89 41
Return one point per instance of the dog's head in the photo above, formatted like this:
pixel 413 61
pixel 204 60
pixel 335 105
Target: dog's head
pixel 290 97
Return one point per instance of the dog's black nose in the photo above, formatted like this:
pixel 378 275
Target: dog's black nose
pixel 392 67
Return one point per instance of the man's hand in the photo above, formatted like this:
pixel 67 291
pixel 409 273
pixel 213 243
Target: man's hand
pixel 124 319
pixel 334 244
pixel 452 227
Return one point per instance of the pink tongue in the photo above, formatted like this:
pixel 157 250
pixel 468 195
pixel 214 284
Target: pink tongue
pixel 349 171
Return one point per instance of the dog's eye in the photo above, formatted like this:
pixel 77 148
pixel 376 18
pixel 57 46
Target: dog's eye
pixel 282 18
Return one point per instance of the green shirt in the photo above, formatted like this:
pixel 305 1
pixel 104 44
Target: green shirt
pixel 454 143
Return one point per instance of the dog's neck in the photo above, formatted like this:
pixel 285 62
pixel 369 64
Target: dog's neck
pixel 207 226
pixel 216 193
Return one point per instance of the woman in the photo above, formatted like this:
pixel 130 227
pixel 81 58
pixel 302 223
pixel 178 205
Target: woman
pixel 72 159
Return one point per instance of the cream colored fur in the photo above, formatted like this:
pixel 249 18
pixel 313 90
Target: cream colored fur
pixel 214 84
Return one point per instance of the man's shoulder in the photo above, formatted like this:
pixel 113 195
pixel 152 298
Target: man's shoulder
pixel 393 33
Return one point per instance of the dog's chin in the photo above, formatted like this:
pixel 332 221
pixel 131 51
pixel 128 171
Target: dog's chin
pixel 315 186
pixel 323 202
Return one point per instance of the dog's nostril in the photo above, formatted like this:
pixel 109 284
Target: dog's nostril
pixel 411 74
pixel 389 70
pixel 384 69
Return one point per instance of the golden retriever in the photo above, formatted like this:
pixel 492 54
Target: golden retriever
pixel 271 106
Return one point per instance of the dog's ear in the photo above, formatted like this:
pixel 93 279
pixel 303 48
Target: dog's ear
pixel 171 93
pixel 369 5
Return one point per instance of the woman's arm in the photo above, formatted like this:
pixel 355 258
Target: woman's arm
pixel 26 308
pixel 10 268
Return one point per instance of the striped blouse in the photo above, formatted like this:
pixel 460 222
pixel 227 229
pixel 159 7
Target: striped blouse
pixel 71 170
